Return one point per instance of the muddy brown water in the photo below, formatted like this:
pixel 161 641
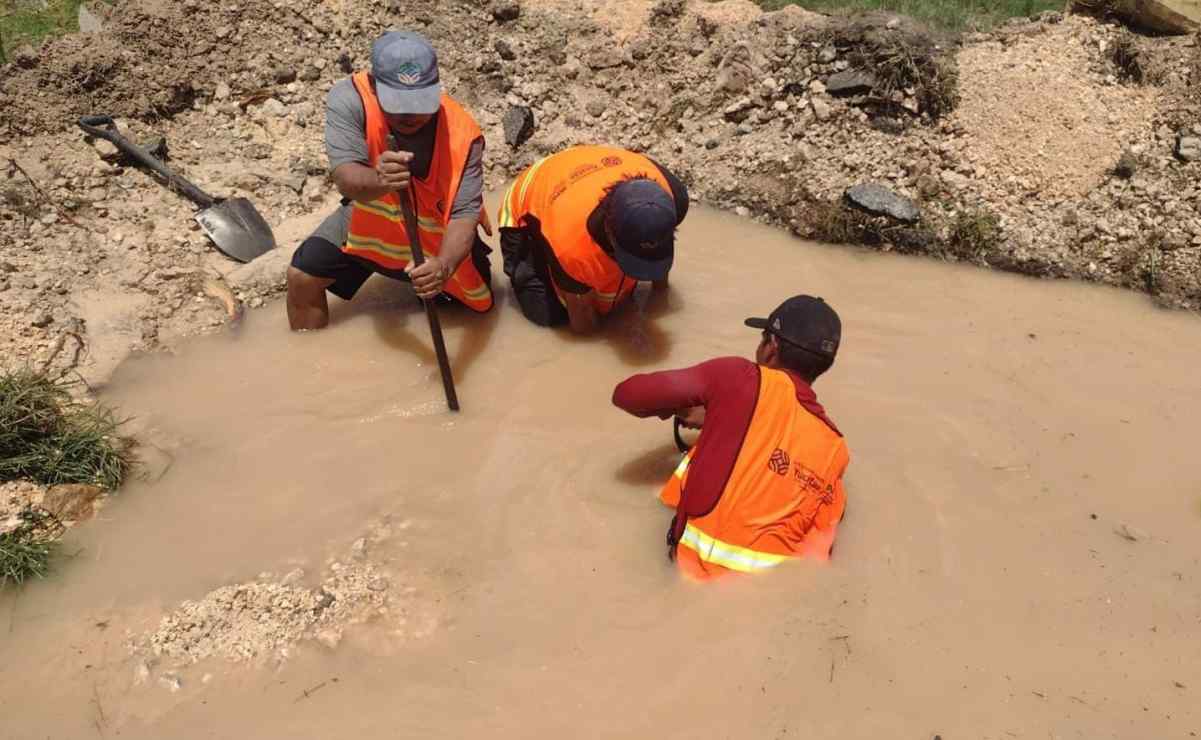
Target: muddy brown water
pixel 1001 430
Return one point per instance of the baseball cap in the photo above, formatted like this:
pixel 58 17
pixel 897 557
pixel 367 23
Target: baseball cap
pixel 644 224
pixel 806 322
pixel 405 68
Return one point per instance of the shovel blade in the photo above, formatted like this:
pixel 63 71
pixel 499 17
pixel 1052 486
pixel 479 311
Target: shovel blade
pixel 237 228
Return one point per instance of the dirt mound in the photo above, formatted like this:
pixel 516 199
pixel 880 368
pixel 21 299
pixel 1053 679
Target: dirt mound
pixel 773 114
pixel 156 58
pixel 262 620
pixel 1039 107
pixel 248 621
pixel 120 72
pixel 903 65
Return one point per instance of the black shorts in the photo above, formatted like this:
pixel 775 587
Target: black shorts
pixel 321 258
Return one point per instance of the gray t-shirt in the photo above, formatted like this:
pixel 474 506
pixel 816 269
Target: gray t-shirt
pixel 345 122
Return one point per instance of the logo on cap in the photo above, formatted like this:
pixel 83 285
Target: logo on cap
pixel 409 73
pixel 611 161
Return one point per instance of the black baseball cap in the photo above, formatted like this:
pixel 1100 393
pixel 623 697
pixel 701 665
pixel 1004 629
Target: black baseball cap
pixel 643 219
pixel 405 68
pixel 804 321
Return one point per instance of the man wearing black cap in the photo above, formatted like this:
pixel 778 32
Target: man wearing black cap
pixel 580 228
pixel 389 132
pixel 763 483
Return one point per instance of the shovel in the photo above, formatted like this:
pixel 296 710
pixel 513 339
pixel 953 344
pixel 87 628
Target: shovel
pixel 234 224
pixel 407 201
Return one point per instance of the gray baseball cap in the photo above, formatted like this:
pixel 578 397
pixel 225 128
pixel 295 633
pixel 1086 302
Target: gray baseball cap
pixel 405 68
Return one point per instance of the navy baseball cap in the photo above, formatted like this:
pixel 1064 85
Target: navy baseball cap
pixel 806 322
pixel 405 68
pixel 644 223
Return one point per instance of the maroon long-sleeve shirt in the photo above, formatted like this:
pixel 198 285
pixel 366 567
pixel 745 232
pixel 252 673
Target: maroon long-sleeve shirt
pixel 728 388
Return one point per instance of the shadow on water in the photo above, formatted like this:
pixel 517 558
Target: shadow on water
pixel 400 321
pixel 654 466
pixel 633 329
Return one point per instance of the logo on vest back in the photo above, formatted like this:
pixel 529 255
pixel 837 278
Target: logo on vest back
pixel 813 484
pixel 582 170
pixel 779 462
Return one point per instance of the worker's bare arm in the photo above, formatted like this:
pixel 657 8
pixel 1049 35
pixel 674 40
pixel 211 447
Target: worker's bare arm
pixel 430 277
pixel 580 313
pixel 363 183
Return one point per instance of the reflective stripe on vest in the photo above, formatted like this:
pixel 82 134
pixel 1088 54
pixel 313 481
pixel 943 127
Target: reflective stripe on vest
pixel 561 191
pixel 517 193
pixel 713 550
pixel 377 229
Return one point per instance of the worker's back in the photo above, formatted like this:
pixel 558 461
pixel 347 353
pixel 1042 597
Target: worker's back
pixel 784 497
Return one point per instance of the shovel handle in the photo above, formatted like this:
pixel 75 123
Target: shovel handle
pixel 104 127
pixel 431 310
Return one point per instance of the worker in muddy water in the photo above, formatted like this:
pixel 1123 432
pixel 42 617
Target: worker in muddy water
pixel 763 483
pixel 580 228
pixel 389 131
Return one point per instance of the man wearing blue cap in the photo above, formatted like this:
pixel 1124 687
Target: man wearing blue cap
pixel 579 229
pixel 392 133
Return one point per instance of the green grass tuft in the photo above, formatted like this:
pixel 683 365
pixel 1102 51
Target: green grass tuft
pixel 973 235
pixel 831 222
pixel 48 437
pixel 30 21
pixel 25 551
pixel 948 15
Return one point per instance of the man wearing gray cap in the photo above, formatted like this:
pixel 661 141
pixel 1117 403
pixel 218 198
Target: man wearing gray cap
pixel 389 132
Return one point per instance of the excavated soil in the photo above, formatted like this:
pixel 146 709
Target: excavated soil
pixel 1029 112
pixel 731 98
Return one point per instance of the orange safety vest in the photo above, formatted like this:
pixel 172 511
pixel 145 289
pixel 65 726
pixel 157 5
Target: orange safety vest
pixel 784 497
pixel 561 191
pixel 377 229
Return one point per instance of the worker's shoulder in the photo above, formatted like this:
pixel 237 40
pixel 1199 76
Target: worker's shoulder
pixel 730 368
pixel 343 97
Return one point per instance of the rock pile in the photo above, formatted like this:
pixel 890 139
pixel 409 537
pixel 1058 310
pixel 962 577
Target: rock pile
pixel 772 114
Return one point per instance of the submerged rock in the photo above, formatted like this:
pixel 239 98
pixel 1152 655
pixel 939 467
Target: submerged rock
pixel 71 501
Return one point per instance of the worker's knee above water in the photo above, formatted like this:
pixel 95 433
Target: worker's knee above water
pixel 302 282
